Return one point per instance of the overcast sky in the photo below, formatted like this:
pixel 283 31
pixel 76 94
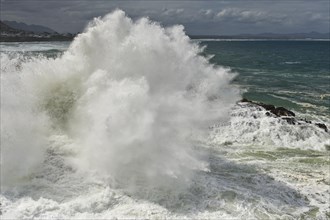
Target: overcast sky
pixel 198 17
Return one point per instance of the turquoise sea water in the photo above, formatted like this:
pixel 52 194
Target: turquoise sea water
pixel 293 74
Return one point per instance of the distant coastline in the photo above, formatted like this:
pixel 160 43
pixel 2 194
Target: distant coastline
pixel 35 34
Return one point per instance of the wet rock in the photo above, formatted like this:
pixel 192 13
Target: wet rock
pixel 280 111
pixel 267 107
pixel 245 100
pixel 290 120
pixel 307 121
pixel 323 126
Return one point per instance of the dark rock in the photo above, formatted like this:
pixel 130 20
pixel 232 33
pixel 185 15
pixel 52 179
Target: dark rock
pixel 323 126
pixel 290 120
pixel 283 113
pixel 267 107
pixel 307 121
pixel 245 100
pixel 280 111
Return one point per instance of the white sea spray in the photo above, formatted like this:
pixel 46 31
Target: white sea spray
pixel 130 95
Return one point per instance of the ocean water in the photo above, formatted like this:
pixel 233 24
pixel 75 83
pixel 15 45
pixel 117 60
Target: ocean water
pixel 132 120
pixel 294 74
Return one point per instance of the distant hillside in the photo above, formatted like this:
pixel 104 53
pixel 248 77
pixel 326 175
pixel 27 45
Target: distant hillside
pixel 11 34
pixel 6 28
pixel 310 35
pixel 30 28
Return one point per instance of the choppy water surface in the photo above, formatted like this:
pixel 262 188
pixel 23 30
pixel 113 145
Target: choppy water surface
pixel 131 121
pixel 294 74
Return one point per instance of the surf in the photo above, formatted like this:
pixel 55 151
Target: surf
pixel 132 96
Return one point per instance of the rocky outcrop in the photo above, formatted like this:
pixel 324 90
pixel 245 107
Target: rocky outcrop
pixel 280 111
pixel 284 114
pixel 321 125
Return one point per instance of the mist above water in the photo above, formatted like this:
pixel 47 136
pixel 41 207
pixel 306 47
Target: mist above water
pixel 133 98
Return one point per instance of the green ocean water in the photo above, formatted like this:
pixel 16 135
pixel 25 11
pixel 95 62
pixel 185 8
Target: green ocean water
pixel 293 74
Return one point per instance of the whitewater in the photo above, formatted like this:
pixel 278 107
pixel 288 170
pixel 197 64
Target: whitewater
pixel 132 121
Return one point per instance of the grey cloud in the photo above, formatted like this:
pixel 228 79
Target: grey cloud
pixel 318 17
pixel 248 16
pixel 206 13
pixel 172 12
pixel 199 17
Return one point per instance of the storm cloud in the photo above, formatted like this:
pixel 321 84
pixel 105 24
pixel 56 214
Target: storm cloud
pixel 198 17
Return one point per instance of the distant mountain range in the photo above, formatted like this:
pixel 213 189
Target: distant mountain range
pixel 30 28
pixel 310 35
pixel 12 31
pixel 5 28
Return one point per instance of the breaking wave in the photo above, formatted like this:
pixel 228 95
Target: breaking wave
pixel 131 98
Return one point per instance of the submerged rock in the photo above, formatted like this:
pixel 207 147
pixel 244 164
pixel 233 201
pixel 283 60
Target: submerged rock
pixel 327 147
